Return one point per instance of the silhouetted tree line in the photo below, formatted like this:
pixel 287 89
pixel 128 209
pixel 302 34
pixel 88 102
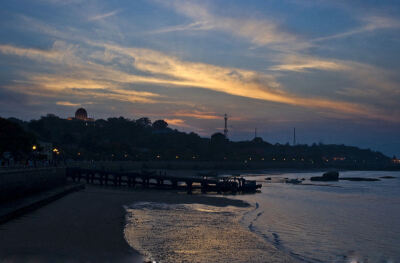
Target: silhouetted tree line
pixel 142 140
pixel 14 140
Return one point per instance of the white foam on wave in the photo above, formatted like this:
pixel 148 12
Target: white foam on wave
pixel 191 207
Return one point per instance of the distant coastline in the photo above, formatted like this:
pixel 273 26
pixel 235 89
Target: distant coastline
pixel 219 167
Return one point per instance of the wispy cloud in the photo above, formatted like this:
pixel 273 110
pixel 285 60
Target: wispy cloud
pixel 370 23
pixel 259 32
pixel 58 85
pixel 67 103
pixel 300 63
pixel 363 73
pixel 63 2
pixel 192 26
pixel 369 83
pixel 263 31
pixel 198 115
pixel 177 122
pixel 103 16
pixel 31 52
pixel 74 75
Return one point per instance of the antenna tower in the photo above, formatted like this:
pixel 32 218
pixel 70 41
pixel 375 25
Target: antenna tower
pixel 294 136
pixel 226 125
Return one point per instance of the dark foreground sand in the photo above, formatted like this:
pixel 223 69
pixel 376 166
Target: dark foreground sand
pixel 85 226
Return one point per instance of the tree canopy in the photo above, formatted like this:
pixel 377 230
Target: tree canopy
pixel 125 139
pixel 14 139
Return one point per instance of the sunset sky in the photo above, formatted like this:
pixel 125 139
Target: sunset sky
pixel 328 68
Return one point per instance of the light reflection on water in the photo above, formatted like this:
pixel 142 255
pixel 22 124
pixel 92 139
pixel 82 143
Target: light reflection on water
pixel 340 222
pixel 195 233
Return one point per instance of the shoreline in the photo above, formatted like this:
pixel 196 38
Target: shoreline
pixel 197 233
pixel 86 226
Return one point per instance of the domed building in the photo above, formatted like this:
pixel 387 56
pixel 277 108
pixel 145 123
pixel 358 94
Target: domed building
pixel 81 114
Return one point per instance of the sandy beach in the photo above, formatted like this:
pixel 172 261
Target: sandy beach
pixel 86 226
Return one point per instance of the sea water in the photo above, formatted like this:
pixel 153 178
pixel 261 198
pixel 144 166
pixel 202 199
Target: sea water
pixel 342 221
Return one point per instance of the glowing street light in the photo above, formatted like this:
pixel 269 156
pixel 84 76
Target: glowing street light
pixel 34 147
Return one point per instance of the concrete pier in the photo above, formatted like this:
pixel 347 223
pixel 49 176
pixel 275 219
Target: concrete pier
pixel 161 180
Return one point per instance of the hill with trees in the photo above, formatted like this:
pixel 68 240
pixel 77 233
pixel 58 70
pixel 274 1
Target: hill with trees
pixel 142 140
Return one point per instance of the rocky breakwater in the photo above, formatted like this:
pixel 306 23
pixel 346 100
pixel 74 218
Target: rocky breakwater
pixel 328 176
pixel 334 176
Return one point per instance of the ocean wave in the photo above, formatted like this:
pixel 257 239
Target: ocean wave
pixel 181 207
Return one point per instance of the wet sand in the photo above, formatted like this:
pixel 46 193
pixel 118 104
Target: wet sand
pixel 85 226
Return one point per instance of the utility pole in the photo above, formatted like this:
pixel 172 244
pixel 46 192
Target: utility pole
pixel 226 126
pixel 255 133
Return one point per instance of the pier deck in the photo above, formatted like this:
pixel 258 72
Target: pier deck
pixel 161 180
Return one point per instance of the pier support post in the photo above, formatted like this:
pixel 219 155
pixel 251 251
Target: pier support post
pixel 105 178
pixel 160 182
pixel 73 176
pixel 101 178
pixel 119 180
pixel 219 188
pixel 145 182
pixel 133 182
pixel 189 185
pixel 204 187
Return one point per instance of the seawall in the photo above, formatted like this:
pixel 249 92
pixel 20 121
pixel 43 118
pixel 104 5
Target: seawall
pixel 22 182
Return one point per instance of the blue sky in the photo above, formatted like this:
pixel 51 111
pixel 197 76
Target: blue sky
pixel 328 68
